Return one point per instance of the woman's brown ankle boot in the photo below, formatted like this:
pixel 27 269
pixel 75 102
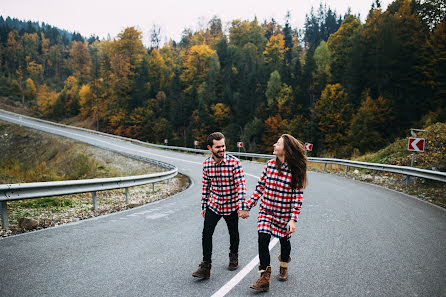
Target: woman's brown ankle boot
pixel 262 283
pixel 283 269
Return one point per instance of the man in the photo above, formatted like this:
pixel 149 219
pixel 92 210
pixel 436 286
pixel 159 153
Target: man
pixel 224 189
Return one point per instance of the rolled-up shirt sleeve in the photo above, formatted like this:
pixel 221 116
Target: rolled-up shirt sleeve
pixel 205 190
pixel 239 178
pixel 297 204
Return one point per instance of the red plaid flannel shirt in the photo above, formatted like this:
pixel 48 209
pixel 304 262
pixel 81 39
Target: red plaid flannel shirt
pixel 279 199
pixel 224 185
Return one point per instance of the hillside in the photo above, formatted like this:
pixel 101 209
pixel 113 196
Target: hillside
pixel 433 158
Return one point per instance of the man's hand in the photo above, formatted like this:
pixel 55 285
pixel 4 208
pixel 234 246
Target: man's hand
pixel 203 212
pixel 291 226
pixel 243 214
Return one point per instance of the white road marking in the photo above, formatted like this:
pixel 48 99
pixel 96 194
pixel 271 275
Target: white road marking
pixel 251 175
pixel 239 276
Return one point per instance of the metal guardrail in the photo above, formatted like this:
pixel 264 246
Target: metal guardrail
pixel 405 170
pixel 10 192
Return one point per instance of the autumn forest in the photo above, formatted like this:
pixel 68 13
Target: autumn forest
pixel 345 86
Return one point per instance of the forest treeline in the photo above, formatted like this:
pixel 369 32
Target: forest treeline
pixel 343 85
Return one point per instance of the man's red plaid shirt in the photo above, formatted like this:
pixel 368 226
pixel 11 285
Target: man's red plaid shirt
pixel 224 185
pixel 279 204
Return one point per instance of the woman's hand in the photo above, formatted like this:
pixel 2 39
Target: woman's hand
pixel 291 226
pixel 243 214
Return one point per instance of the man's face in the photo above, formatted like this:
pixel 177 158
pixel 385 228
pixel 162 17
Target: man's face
pixel 218 148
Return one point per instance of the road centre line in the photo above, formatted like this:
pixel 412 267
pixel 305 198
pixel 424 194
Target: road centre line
pixel 239 276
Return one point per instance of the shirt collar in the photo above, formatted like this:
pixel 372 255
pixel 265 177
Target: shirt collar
pixel 284 165
pixel 224 160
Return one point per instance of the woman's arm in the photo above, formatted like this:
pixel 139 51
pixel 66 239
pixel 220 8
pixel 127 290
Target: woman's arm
pixel 258 192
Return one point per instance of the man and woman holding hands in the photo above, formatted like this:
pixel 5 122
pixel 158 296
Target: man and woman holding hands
pixel 279 190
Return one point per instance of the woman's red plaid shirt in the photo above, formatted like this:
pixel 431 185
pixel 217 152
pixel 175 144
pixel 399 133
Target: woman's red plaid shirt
pixel 279 204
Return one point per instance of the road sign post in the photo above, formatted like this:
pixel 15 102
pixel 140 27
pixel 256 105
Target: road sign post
pixel 239 145
pixel 195 143
pixel 414 145
pixel 308 147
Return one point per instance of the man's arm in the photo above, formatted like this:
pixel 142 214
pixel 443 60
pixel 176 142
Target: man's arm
pixel 239 178
pixel 205 190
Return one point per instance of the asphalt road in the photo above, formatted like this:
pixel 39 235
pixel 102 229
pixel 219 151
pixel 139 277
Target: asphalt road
pixel 352 239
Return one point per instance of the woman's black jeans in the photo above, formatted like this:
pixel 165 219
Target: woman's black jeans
pixel 265 260
pixel 210 222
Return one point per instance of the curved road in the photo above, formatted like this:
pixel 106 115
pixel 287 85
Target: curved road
pixel 353 239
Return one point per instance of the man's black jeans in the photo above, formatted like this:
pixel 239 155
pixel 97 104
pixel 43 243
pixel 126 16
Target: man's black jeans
pixel 210 222
pixel 265 260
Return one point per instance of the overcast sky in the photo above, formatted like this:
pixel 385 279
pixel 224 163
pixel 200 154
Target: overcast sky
pixel 103 17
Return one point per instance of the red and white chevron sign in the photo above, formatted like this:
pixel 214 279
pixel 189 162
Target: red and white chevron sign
pixel 308 146
pixel 416 144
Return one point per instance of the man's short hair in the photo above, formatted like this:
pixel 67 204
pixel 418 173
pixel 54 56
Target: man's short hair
pixel 214 136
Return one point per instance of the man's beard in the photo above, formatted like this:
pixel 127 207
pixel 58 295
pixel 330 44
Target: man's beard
pixel 217 156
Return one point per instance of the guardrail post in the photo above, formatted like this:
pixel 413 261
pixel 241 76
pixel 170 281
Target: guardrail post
pixel 126 195
pixel 4 215
pixel 153 187
pixel 95 204
pixel 411 165
pixel 325 167
pixel 374 174
pixel 347 168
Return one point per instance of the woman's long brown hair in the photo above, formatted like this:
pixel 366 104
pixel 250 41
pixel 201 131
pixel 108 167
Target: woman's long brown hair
pixel 297 161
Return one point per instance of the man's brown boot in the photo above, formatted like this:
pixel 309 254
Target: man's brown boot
pixel 262 284
pixel 283 269
pixel 204 271
pixel 233 261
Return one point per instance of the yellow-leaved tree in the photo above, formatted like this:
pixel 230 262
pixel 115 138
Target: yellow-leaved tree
pixel 332 114
pixel 275 51
pixel 30 90
pixel 86 101
pixel 80 61
pixel 221 115
pixel 196 66
pixel 46 100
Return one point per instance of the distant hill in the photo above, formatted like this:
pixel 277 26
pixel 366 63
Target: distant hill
pixel 53 33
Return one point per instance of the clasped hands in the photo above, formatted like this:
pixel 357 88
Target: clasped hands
pixel 244 214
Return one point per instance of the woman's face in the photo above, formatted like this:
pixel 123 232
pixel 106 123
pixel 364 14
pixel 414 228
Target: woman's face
pixel 278 148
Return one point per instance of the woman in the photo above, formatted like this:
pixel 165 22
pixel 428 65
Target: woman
pixel 281 185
